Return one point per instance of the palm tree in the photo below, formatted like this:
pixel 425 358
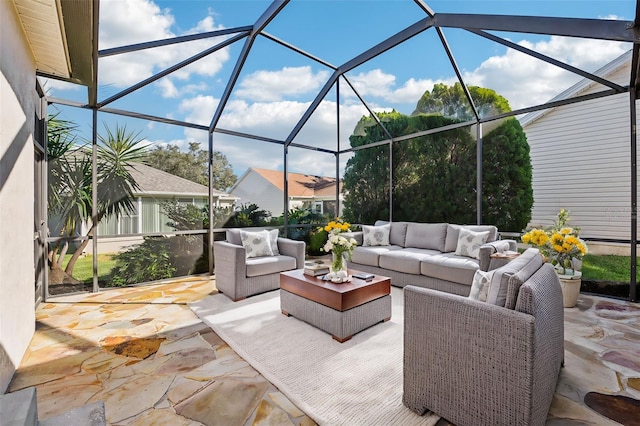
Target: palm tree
pixel 71 197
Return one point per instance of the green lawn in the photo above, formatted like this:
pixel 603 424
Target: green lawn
pixel 83 271
pixel 594 268
pixel 606 268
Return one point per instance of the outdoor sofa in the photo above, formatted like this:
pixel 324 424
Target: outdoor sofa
pixel 239 275
pixel 495 362
pixel 426 254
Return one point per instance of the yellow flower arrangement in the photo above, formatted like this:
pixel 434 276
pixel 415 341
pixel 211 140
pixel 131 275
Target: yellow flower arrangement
pixel 338 244
pixel 560 243
pixel 338 225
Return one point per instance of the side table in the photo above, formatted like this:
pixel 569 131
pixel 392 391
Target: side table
pixel 500 259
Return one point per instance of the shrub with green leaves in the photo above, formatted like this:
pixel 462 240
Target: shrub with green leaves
pixel 148 261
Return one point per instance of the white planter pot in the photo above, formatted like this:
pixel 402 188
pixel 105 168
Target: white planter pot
pixel 570 291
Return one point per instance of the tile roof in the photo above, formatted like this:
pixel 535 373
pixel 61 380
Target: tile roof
pixel 155 181
pixel 301 185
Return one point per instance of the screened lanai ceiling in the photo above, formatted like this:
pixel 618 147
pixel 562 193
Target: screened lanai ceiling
pixel 301 74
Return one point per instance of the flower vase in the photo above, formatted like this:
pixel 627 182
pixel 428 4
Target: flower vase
pixel 338 262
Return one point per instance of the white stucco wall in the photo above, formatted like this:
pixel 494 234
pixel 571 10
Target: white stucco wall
pixel 18 100
pixel 255 189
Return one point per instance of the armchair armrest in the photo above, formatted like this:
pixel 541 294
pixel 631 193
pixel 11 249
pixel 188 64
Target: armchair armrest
pixel 468 361
pixel 292 248
pixel 230 267
pixel 498 246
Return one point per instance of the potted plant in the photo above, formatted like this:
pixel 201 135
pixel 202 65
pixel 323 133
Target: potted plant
pixel 562 246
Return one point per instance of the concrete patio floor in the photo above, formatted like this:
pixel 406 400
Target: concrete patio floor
pixel 153 362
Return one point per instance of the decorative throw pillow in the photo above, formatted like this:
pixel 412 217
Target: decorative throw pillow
pixel 376 235
pixel 480 285
pixel 273 241
pixel 256 244
pixel 469 243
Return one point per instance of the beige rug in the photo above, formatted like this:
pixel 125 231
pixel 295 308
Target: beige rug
pixel 358 382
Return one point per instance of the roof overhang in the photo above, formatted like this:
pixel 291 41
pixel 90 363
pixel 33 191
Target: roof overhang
pixel 60 34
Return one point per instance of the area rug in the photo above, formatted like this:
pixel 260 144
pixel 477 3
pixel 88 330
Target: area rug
pixel 358 382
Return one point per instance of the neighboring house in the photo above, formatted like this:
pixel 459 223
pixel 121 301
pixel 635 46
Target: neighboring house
pixel 580 154
pixel 265 188
pixel 157 187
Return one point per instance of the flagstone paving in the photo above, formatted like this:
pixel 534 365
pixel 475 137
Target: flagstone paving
pixel 152 361
pixel 149 358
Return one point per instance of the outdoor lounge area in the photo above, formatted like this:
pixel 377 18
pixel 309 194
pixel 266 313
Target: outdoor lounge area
pixel 301 212
pixel 151 360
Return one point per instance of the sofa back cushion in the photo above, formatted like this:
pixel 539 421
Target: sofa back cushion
pixel 528 262
pixel 398 232
pixel 426 235
pixel 453 231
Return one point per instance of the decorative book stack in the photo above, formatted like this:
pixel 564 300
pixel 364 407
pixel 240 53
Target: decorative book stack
pixel 315 269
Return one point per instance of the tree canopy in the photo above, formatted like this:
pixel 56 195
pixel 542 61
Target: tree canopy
pixel 193 165
pixel 434 176
pixel 450 101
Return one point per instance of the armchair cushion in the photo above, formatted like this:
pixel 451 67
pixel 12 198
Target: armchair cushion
pixel 480 285
pixel 256 244
pixel 273 241
pixel 266 265
pixel 500 280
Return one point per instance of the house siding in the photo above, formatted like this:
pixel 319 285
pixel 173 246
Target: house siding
pixel 255 189
pixel 18 102
pixel 580 155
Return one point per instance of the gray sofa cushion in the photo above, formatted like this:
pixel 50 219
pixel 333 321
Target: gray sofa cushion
pixel 398 233
pixel 406 260
pixel 450 267
pixel 500 281
pixel 257 266
pixel 426 235
pixel 369 255
pixel 453 231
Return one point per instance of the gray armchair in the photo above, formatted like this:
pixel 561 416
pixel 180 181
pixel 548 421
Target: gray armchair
pixel 239 277
pixel 474 363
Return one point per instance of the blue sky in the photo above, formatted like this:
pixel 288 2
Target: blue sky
pixel 276 86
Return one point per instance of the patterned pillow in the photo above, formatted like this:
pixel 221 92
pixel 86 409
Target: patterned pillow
pixel 376 235
pixel 480 285
pixel 273 241
pixel 469 243
pixel 256 244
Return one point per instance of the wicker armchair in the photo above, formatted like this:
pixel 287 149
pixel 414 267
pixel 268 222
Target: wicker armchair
pixel 475 363
pixel 239 277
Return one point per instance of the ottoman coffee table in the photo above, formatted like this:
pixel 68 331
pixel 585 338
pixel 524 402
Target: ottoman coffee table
pixel 341 310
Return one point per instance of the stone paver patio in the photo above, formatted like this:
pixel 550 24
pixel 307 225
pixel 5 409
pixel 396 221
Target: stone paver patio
pixel 152 361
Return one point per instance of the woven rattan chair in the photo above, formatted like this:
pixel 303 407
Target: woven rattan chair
pixel 239 277
pixel 474 363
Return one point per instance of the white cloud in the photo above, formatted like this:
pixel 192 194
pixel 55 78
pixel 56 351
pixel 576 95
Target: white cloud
pixel 266 86
pixel 526 81
pixel 168 89
pixel 274 120
pixel 377 83
pixel 135 21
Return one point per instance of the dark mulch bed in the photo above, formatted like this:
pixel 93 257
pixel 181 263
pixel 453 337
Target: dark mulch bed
pixel 605 288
